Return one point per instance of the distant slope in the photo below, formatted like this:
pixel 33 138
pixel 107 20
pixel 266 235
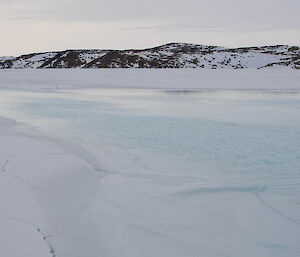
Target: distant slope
pixel 173 55
pixel 5 58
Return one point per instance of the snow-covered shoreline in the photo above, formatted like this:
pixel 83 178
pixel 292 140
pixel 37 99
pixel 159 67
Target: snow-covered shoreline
pixel 52 79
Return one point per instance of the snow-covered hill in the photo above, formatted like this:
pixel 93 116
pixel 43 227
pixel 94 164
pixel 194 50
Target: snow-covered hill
pixel 5 58
pixel 173 55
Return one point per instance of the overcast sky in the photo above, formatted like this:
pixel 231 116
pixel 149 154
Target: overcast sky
pixel 44 25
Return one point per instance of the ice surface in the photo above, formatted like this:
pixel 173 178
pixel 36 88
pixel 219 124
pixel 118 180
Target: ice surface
pixel 166 172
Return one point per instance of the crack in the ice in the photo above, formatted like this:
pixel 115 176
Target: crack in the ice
pixel 167 236
pixel 270 207
pixel 36 227
pixel 4 166
pixel 37 188
pixel 29 184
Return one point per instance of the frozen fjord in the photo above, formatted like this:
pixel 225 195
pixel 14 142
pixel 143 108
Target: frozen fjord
pixel 186 173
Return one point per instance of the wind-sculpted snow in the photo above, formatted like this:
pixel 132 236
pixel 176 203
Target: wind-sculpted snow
pixel 37 211
pixel 220 189
pixel 173 55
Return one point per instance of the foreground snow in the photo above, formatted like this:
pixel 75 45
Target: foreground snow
pixel 45 195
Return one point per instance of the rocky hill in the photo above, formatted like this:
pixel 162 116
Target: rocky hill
pixel 173 55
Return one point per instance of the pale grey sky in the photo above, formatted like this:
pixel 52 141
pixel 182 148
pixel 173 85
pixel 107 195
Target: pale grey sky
pixel 33 25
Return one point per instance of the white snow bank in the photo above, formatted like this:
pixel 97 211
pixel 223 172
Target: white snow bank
pixel 162 79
